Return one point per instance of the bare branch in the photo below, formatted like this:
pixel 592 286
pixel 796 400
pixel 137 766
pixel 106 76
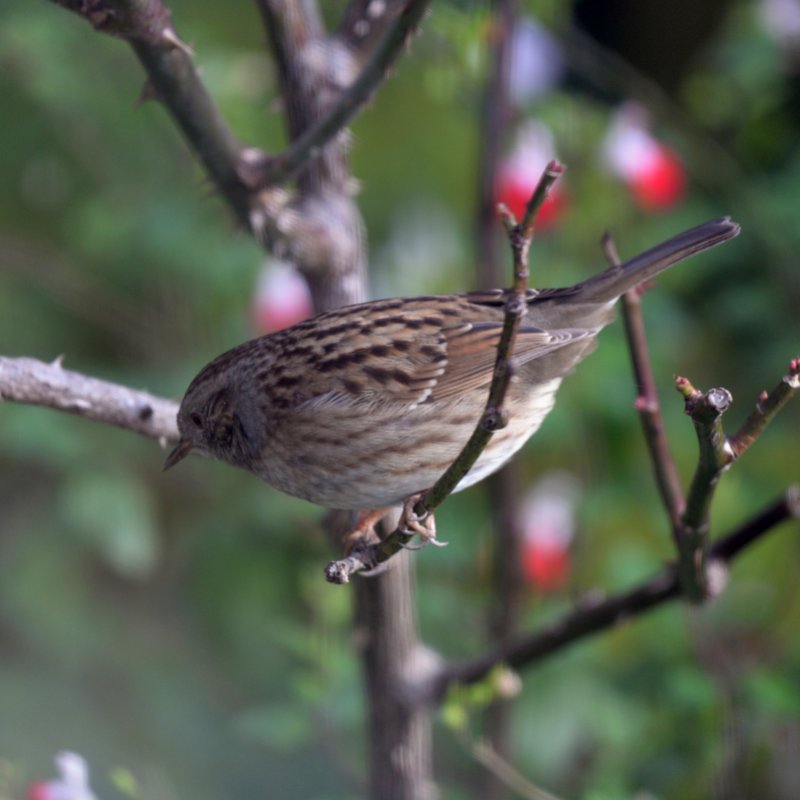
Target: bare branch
pixel 319 229
pixel 494 416
pixel 768 405
pixel 296 37
pixel 595 615
pixel 647 403
pixel 285 165
pixel 33 382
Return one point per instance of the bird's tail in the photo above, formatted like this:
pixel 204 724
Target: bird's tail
pixel 615 281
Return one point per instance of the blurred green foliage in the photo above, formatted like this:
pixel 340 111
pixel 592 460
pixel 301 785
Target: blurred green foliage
pixel 175 629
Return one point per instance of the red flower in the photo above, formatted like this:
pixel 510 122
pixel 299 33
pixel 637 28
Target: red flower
pixel 653 172
pixel 546 564
pixel 661 183
pixel 548 524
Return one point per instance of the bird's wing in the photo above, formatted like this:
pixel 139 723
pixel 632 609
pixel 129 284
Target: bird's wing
pixel 471 353
pixel 410 354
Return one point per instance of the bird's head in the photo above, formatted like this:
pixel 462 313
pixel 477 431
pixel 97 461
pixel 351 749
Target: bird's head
pixel 219 418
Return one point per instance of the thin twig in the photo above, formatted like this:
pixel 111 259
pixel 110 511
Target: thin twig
pixel 284 166
pixel 768 405
pixel 506 773
pixel 495 416
pixel 33 382
pixel 596 615
pixel 370 556
pixel 647 404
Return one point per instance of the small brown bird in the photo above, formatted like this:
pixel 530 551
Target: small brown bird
pixel 364 406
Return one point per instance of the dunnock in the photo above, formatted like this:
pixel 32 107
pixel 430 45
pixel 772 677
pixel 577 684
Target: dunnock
pixel 361 407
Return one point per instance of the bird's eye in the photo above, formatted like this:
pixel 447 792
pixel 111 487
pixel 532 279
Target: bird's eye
pixel 196 419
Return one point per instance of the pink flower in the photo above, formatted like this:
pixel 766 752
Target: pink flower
pixel 548 519
pixel 73 783
pixel 653 172
pixel 281 298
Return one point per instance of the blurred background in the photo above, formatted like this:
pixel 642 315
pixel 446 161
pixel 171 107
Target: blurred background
pixel 176 629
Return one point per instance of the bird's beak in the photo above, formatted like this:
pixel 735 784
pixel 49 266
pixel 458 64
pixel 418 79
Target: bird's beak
pixel 179 452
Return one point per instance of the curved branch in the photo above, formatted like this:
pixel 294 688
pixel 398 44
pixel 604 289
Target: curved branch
pixel 34 382
pixel 594 616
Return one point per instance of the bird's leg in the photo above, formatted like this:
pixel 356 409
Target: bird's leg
pixel 424 525
pixel 363 532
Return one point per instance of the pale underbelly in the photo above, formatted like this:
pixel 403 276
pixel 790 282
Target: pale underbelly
pixel 374 463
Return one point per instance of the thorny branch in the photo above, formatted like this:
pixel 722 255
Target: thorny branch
pixel 240 172
pixel 369 556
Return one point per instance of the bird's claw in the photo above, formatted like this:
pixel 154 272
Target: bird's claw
pixel 423 525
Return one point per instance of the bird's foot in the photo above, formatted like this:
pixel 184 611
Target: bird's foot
pixel 424 525
pixel 363 532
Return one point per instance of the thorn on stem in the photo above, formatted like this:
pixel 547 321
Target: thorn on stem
pixel 169 37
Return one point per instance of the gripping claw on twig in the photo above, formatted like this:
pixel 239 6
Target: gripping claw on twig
pixel 424 525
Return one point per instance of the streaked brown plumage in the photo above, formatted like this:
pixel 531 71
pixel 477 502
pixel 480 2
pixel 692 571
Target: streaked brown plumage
pixel 366 405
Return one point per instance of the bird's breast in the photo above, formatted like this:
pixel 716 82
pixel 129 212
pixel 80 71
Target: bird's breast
pixel 356 458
